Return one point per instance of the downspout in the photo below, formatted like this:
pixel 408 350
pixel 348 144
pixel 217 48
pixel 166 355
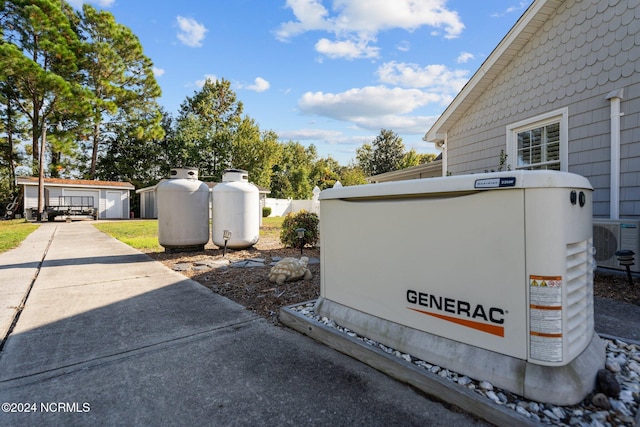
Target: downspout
pixel 441 145
pixel 614 187
pixel 445 165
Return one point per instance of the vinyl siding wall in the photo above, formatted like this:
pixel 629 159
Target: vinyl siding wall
pixel 31 198
pixel 582 53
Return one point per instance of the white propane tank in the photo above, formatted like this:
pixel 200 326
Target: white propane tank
pixel 236 208
pixel 183 211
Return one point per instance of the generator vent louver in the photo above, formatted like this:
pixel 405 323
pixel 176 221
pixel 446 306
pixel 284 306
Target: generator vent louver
pixel 579 296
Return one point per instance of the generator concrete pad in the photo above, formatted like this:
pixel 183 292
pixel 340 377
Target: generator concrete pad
pixel 565 385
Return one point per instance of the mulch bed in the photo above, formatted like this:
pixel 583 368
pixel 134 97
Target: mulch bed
pixel 251 288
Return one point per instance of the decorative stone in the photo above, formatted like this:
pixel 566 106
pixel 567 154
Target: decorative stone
pixel 491 395
pixel 608 384
pixel 289 270
pixel 551 415
pixel 597 411
pixel 618 406
pixel 558 412
pixel 464 380
pixel 534 407
pixel 600 400
pixel 181 267
pixel 247 264
pixel 485 385
pixel 612 366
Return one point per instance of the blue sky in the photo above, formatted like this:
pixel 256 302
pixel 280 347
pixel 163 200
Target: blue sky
pixel 332 73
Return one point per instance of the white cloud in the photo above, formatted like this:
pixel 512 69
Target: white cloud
pixel 376 107
pixel 465 57
pixel 399 124
pixel 311 16
pixel 372 16
pixel 348 49
pixel 332 136
pixel 259 85
pixel 437 78
pixel 365 102
pixel 355 23
pixel 190 32
pixel 158 71
pixel 404 46
pixel 521 6
pixel 200 83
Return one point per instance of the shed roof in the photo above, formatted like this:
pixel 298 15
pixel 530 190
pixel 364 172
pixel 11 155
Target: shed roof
pixel 80 183
pixel 508 48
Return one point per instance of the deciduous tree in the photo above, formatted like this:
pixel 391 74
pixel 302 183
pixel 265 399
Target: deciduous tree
pixel 206 126
pixel 255 151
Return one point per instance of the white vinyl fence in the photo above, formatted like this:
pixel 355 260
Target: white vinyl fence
pixel 281 207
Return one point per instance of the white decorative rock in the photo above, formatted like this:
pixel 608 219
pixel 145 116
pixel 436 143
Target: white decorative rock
pixel 289 270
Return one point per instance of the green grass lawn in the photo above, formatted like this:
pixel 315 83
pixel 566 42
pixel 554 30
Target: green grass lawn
pixel 139 234
pixel 271 227
pixel 13 232
pixel 143 234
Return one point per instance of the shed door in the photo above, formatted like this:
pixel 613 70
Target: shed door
pixel 114 204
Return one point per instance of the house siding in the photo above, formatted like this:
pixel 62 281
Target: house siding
pixel 580 54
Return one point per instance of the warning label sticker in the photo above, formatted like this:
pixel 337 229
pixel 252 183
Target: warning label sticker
pixel 545 318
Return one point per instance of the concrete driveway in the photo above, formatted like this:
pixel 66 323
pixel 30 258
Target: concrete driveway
pixel 103 335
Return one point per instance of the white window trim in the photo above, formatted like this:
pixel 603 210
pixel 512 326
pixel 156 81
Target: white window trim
pixel 561 116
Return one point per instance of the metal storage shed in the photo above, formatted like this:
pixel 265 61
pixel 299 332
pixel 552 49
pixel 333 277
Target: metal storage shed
pixel 110 199
pixel 149 204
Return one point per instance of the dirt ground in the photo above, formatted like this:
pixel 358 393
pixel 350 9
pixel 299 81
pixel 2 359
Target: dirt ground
pixel 251 287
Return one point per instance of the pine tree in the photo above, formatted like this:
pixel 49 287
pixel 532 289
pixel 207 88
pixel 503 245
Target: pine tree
pixel 39 54
pixel 121 79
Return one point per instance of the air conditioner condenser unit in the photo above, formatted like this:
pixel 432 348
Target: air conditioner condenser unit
pixel 610 236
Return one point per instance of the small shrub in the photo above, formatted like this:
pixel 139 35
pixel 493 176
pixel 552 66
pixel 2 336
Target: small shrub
pixel 302 219
pixel 266 211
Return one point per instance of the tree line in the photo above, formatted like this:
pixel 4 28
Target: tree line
pixel 78 99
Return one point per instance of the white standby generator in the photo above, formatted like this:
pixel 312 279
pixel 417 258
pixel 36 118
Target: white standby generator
pixel 489 275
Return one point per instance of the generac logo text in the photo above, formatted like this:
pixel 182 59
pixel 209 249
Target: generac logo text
pixel 467 314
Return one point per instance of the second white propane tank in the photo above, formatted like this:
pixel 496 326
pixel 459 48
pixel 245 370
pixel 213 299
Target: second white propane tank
pixel 236 208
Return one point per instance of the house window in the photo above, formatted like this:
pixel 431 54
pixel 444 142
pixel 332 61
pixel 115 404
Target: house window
pixel 539 148
pixel 539 143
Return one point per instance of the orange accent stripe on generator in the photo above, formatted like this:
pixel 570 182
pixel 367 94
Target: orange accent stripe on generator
pixel 544 334
pixel 546 307
pixel 490 329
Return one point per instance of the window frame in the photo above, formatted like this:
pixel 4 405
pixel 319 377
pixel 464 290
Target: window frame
pixel 560 116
